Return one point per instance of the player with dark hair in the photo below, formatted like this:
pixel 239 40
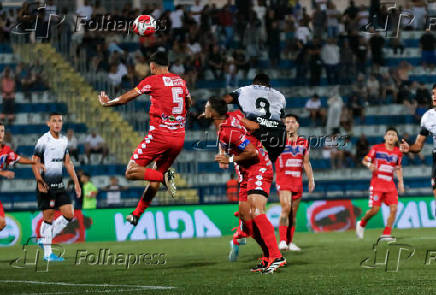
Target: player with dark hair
pixel 8 158
pixel 264 107
pixel 255 175
pixel 170 100
pixel 383 160
pixel 428 127
pixel 289 180
pixel 51 149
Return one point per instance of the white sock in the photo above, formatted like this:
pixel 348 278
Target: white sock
pixel 46 232
pixel 59 224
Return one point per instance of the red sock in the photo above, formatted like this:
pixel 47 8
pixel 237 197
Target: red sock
pixel 153 175
pixel 267 234
pixel 387 230
pixel 363 223
pixel 292 234
pixel 142 205
pixel 282 232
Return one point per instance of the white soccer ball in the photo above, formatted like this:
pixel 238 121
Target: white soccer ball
pixel 144 25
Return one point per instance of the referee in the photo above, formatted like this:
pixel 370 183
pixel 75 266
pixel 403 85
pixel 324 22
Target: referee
pixel 428 127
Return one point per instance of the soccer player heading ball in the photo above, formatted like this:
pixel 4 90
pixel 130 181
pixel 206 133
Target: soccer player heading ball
pixel 255 175
pixel 383 160
pixel 169 101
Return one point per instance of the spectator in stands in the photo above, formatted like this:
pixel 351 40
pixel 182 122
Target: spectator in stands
pixel 333 18
pixel 115 77
pixel 402 73
pixel 428 58
pixel 142 69
pixel 362 149
pixel 319 21
pixel 361 55
pixel 232 189
pixel 315 63
pixel 215 61
pixel 330 58
pixel 373 90
pixel 8 96
pixel 73 145
pixel 316 112
pixel 177 17
pixel 423 100
pixel 356 106
pixel 420 13
pixel 389 88
pixel 376 43
pixel 431 7
pixel 332 152
pixel 196 11
pixel 85 11
pixel 231 75
pixel 405 97
pixel 89 192
pixel 241 62
pixel 178 68
pixel 347 148
pixel 335 104
pixel 94 144
pixel 113 191
pixel 347 63
pixel 273 32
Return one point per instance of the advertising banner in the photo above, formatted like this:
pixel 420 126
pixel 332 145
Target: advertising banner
pixel 207 221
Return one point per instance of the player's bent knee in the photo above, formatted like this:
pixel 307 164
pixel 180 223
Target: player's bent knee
pixel 286 210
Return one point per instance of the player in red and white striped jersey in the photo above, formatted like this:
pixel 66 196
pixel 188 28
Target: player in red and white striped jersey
pixel 289 180
pixel 383 160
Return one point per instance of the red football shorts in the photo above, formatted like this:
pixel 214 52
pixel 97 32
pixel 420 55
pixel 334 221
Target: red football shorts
pixel 377 197
pixel 256 180
pixel 2 212
pixel 297 192
pixel 159 147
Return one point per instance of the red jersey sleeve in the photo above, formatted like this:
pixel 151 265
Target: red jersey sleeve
pixel 234 137
pixel 145 86
pixel 12 157
pixel 370 156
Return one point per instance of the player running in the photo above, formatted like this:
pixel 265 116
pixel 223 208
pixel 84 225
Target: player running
pixel 256 175
pixel 51 149
pixel 383 160
pixel 8 158
pixel 263 107
pixel 428 127
pixel 169 101
pixel 289 180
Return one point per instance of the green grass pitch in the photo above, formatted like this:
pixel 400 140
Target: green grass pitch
pixel 328 264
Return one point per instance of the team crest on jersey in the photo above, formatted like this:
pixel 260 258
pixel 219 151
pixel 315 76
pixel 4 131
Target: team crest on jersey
pixel 295 150
pixel 385 156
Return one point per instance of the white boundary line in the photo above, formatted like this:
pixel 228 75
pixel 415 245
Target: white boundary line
pixel 136 287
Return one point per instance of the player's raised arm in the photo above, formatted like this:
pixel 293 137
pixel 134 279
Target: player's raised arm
pixel 123 99
pixel 69 166
pixel 309 172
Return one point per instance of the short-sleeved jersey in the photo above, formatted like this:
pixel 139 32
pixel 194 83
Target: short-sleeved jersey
pixel 234 138
pixel 385 161
pixel 260 101
pixel 289 165
pixel 428 125
pixel 168 94
pixel 52 152
pixel 7 157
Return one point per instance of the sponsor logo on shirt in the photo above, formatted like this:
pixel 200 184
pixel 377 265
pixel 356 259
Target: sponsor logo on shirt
pixel 388 158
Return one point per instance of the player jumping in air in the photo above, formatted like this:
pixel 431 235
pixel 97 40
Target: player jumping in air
pixel 289 180
pixel 8 158
pixel 169 101
pixel 428 127
pixel 263 107
pixel 51 149
pixel 256 175
pixel 383 160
